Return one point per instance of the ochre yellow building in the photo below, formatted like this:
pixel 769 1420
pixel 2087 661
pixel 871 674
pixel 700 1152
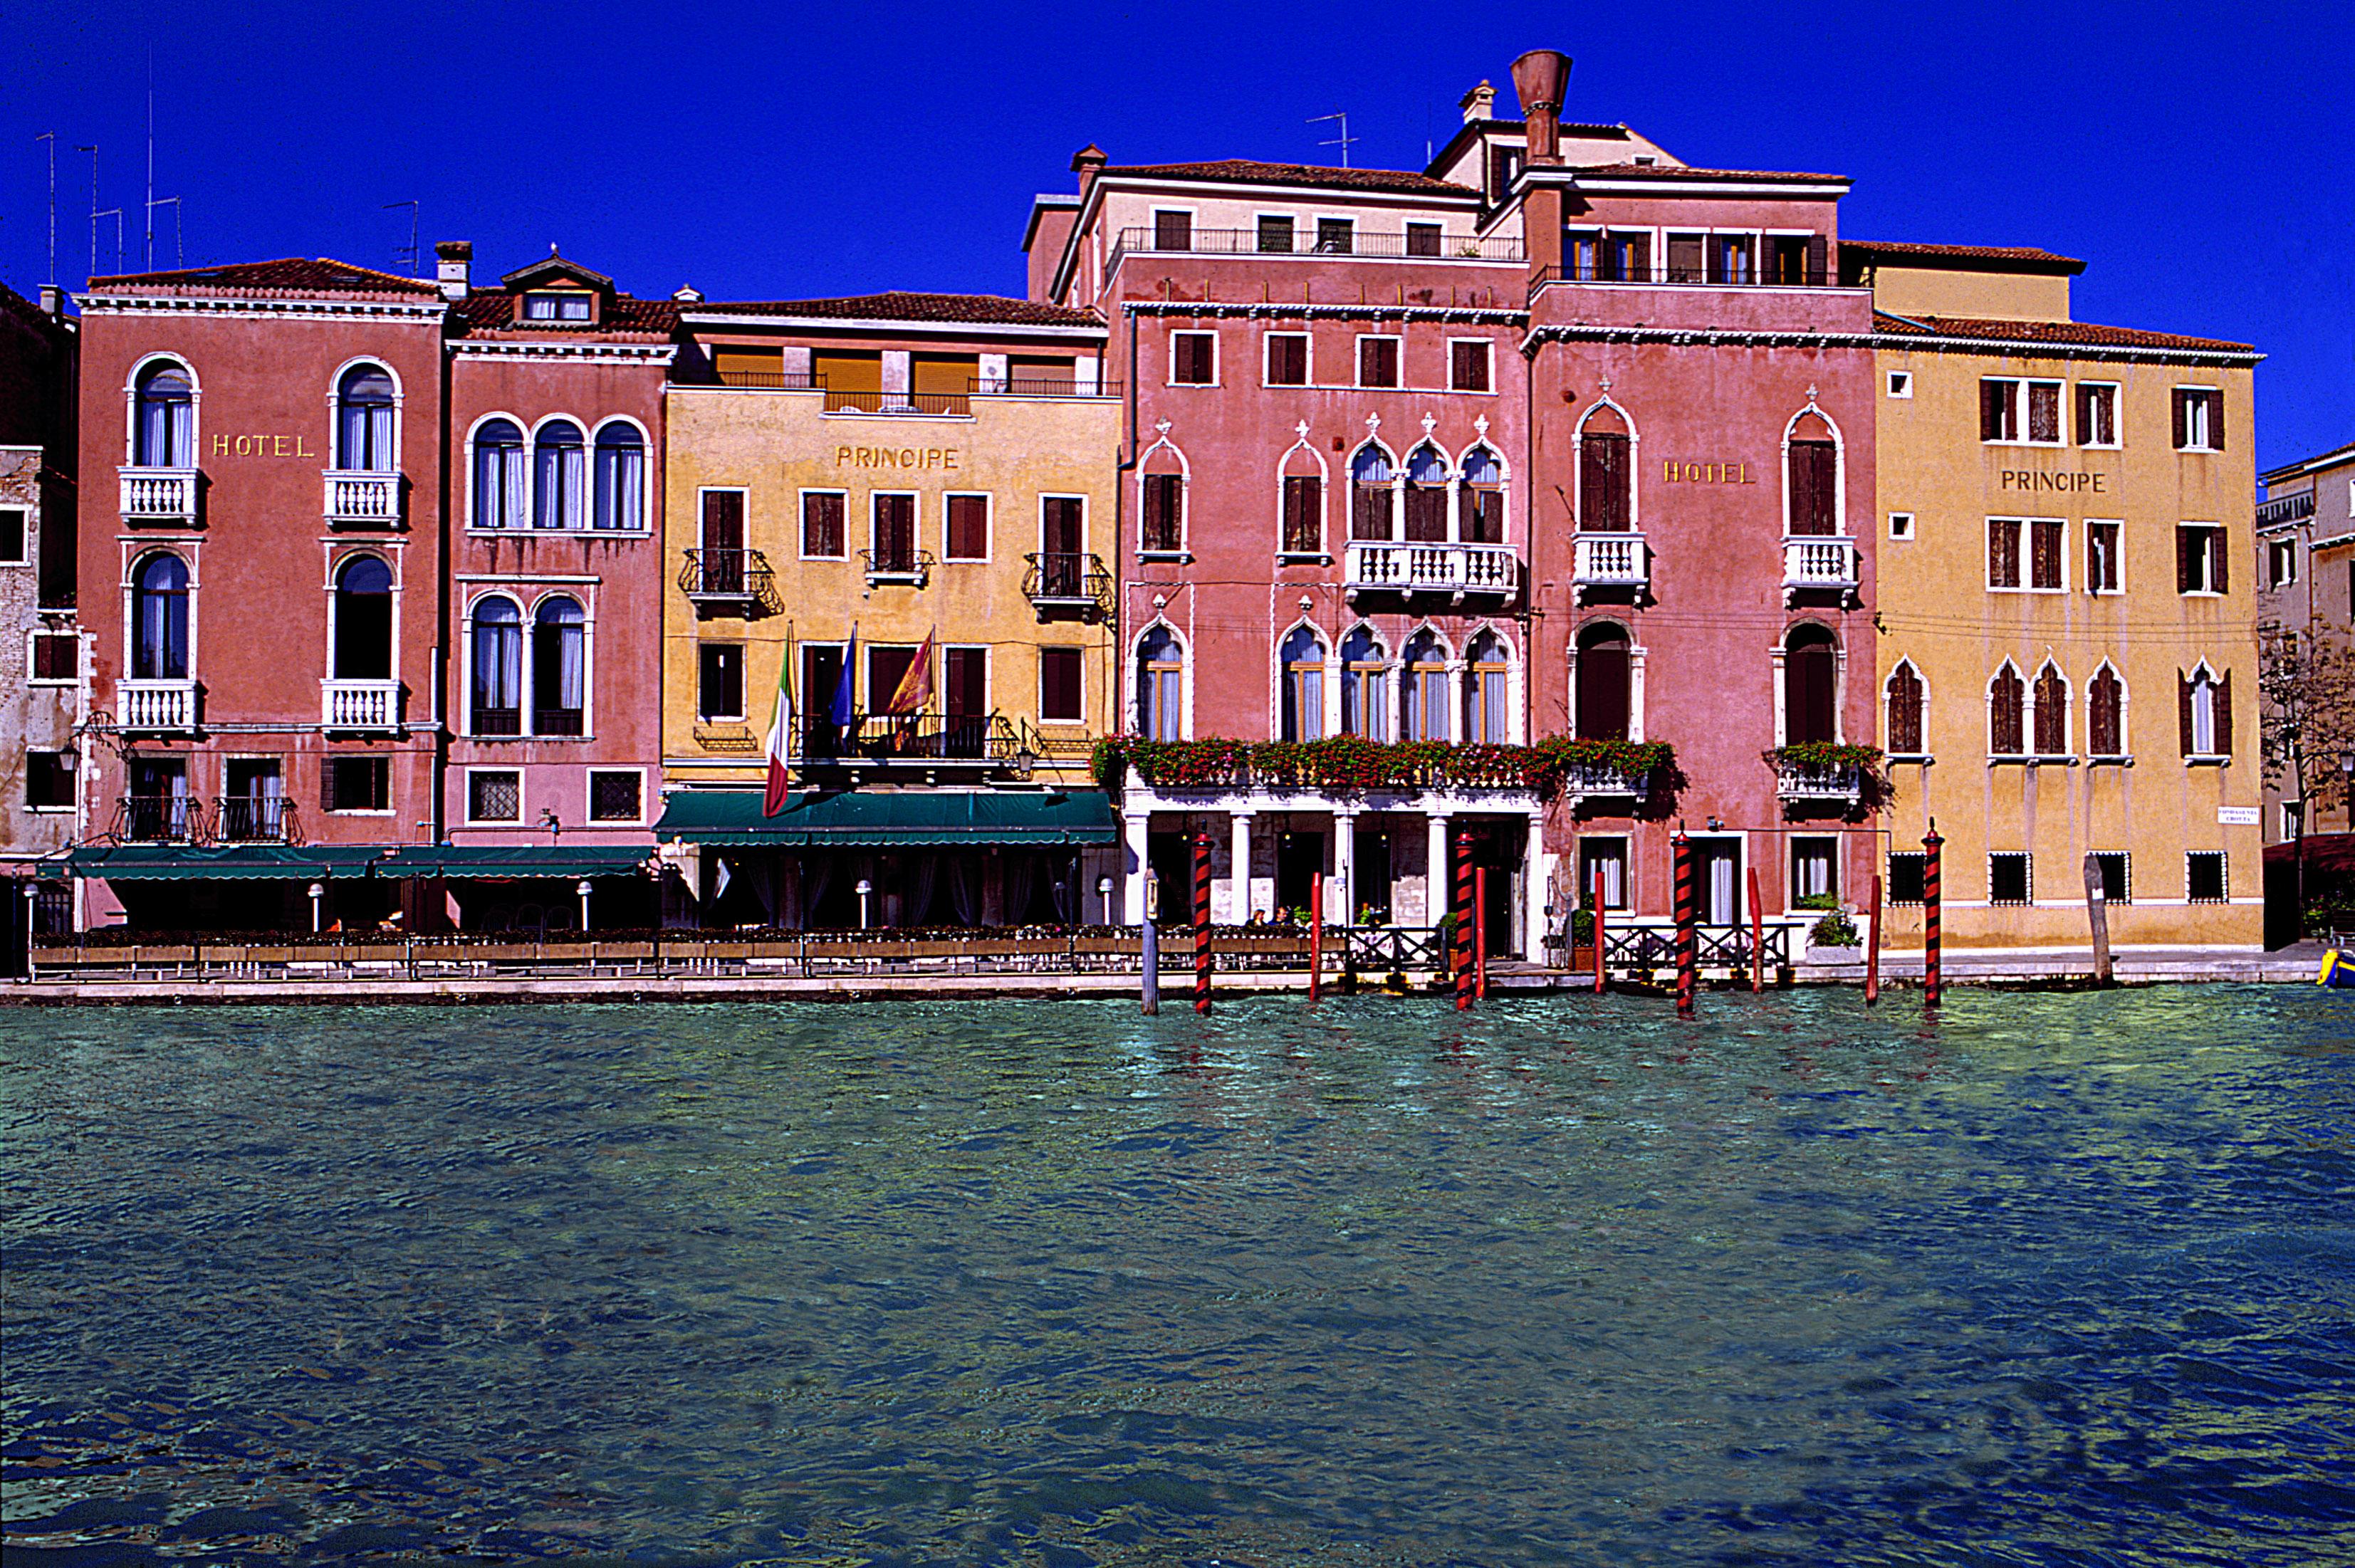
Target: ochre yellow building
pixel 2066 656
pixel 910 476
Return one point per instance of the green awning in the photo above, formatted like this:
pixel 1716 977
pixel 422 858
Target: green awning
pixel 191 862
pixel 574 861
pixel 885 819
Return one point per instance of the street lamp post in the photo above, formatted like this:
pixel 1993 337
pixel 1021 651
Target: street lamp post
pixel 1103 893
pixel 864 888
pixel 583 888
pixel 317 893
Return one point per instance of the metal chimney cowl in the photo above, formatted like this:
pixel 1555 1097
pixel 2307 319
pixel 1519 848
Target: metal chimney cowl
pixel 1540 79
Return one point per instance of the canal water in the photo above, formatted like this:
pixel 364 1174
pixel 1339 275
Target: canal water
pixel 2057 1279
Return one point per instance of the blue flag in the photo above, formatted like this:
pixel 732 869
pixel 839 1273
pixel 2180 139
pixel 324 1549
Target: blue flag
pixel 845 708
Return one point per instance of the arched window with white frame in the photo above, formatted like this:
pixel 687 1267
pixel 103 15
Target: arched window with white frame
pixel 559 473
pixel 363 611
pixel 1810 686
pixel 365 411
pixel 2006 713
pixel 1903 702
pixel 1426 495
pixel 1606 481
pixel 1161 499
pixel 1814 493
pixel 1373 484
pixel 1365 686
pixel 1480 506
pixel 1425 711
pixel 1604 688
pixel 2105 713
pixel 2204 710
pixel 1487 691
pixel 2048 701
pixel 559 668
pixel 164 417
pixel 1160 685
pixel 619 478
pixel 159 618
pixel 1301 484
pixel 1301 698
pixel 501 482
pixel 495 652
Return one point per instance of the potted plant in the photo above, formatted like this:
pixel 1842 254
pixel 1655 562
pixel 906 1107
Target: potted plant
pixel 1834 940
pixel 1581 935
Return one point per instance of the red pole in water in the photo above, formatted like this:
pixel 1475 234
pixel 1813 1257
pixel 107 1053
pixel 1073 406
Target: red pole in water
pixel 1598 929
pixel 1461 937
pixel 1315 934
pixel 1480 932
pixel 1872 948
pixel 1757 935
pixel 1931 981
pixel 1202 922
pixel 1687 938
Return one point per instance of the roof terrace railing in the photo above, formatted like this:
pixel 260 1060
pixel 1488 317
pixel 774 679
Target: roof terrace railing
pixel 1306 239
pixel 1769 276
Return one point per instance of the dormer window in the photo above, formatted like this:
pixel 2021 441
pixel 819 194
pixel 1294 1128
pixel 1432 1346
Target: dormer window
pixel 552 305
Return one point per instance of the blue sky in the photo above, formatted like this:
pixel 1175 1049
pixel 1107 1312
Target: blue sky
pixel 2203 165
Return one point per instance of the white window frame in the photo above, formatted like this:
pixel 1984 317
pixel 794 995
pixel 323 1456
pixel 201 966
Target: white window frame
pixel 2205 684
pixel 2125 715
pixel 1153 226
pixel 2224 867
pixel 801 527
pixel 2285 551
pixel 988 678
pixel 646 493
pixel 2118 428
pixel 2207 589
pixel 589 800
pixel 2069 699
pixel 1184 551
pixel 522 807
pixel 2027 859
pixel 2117 559
pixel 2024 564
pixel 1040 663
pixel 989 527
pixel 1308 362
pixel 2206 440
pixel 2063 413
pixel 743 696
pixel 1626 897
pixel 33 636
pixel 1489 352
pixel 1357 360
pixel 1901 527
pixel 523 524
pixel 1217 355
pixel 1086 523
pixel 1291 218
pixel 1900 384
pixel 915 524
pixel 326 768
pixel 25 550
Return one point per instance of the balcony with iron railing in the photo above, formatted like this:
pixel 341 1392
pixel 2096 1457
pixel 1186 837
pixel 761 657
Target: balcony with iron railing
pixel 256 819
pixel 897 564
pixel 926 405
pixel 1603 561
pixel 159 495
pixel 2282 510
pixel 157 818
pixel 727 581
pixel 1308 239
pixel 1662 274
pixel 563 723
pixel 778 381
pixel 897 739
pixel 1382 566
pixel 1810 781
pixel 155 705
pixel 359 706
pixel 1602 781
pixel 1819 564
pixel 1070 581
pixel 877 401
pixel 362 500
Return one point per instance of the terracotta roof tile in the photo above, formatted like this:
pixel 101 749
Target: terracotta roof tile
pixel 1244 171
pixel 2022 258
pixel 981 310
pixel 1683 172
pixel 287 276
pixel 491 310
pixel 2058 333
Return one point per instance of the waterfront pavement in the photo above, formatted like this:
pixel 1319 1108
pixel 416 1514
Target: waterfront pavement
pixel 2044 969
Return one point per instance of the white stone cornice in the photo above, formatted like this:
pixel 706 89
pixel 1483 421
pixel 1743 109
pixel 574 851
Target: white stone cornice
pixel 1483 316
pixel 570 353
pixel 417 311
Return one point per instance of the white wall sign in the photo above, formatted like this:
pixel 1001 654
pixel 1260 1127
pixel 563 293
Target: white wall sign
pixel 2236 815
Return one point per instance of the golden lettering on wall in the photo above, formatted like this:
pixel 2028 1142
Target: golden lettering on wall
pixel 948 459
pixel 1676 473
pixel 2027 479
pixel 262 446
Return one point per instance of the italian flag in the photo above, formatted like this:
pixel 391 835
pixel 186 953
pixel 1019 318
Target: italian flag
pixel 781 724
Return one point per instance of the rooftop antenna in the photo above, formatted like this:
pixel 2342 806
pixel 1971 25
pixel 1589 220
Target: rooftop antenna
pixel 116 214
pixel 93 210
pixel 1341 141
pixel 151 158
pixel 406 252
pixel 179 238
pixel 51 138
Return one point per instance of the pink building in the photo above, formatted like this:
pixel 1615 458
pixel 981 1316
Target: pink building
pixel 554 494
pixel 1555 437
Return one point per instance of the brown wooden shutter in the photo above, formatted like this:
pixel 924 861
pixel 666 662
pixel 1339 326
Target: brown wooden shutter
pixel 968 530
pixel 2220 577
pixel 1059 684
pixel 1603 481
pixel 2223 715
pixel 2184 544
pixel 2183 710
pixel 2216 421
pixel 1991 412
pixel 2179 401
pixel 1818 263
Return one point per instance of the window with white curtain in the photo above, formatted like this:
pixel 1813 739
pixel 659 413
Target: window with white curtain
pixel 1426 690
pixel 496 706
pixel 500 485
pixel 159 619
pixel 1302 659
pixel 621 477
pixel 164 426
pixel 1160 668
pixel 364 412
pixel 559 476
pixel 1365 686
pixel 1486 716
pixel 559 672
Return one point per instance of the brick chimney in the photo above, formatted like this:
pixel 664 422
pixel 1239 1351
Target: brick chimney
pixel 1540 78
pixel 1480 104
pixel 453 260
pixel 1087 163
